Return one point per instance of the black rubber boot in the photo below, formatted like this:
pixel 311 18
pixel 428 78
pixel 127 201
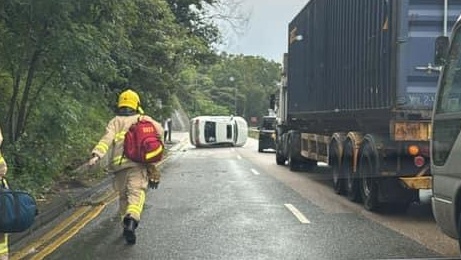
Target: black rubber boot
pixel 129 226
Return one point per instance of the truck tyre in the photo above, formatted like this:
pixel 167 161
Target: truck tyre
pixel 279 155
pixel 352 183
pixel 368 168
pixel 338 182
pixel 279 159
pixel 308 164
pixel 293 146
pixel 292 163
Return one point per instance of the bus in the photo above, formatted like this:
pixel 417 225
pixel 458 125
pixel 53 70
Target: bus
pixel 209 131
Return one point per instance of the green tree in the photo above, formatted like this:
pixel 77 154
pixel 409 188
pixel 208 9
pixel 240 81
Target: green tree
pixel 62 62
pixel 254 79
pixel 47 44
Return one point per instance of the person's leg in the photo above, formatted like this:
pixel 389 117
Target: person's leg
pixel 119 184
pixel 136 187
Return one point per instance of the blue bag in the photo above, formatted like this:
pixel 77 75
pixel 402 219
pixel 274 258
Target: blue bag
pixel 17 209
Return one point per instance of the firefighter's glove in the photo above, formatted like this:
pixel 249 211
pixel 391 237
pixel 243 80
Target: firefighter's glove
pixel 93 160
pixel 153 184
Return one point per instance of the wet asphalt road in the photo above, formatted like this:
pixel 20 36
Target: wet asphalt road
pixel 218 203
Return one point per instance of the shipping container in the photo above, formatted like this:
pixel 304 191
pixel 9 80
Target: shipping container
pixel 371 58
pixel 357 92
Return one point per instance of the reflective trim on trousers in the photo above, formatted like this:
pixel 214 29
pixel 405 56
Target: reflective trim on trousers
pixel 4 246
pixel 136 209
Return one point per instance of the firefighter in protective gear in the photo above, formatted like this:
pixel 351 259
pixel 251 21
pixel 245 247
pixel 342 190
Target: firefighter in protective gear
pixel 3 237
pixel 131 179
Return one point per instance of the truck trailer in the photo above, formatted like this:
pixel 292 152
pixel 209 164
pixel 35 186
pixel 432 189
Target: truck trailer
pixel 357 92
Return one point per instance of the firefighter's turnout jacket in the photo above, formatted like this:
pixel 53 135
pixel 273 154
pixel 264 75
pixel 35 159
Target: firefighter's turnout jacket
pixel 131 178
pixel 3 237
pixel 3 167
pixel 112 141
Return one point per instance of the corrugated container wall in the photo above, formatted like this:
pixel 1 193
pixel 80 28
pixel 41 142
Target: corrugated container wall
pixel 358 55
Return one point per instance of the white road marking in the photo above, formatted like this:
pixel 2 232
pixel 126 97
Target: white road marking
pixel 239 157
pixel 297 214
pixel 322 164
pixel 255 172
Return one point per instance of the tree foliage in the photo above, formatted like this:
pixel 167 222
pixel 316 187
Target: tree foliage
pixel 60 58
pixel 236 84
pixel 63 62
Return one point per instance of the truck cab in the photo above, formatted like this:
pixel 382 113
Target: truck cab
pixel 266 139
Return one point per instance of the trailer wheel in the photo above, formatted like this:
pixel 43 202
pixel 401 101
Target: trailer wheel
pixel 308 164
pixel 279 156
pixel 368 163
pixel 352 183
pixel 279 159
pixel 338 181
pixel 293 163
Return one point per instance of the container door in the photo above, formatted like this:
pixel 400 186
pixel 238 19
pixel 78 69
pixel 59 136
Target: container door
pixel 420 22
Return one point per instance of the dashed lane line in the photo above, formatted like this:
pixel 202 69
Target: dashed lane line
pixel 255 172
pixel 297 214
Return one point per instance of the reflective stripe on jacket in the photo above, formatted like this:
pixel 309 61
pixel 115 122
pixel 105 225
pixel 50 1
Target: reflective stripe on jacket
pixel 3 167
pixel 113 141
pixel 3 244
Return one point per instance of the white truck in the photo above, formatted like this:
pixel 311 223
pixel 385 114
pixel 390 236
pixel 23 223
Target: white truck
pixel 446 140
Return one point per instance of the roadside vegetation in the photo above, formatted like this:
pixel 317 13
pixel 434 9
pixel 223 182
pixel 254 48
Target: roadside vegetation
pixel 63 62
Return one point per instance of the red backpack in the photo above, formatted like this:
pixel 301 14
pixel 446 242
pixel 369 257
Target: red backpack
pixel 142 143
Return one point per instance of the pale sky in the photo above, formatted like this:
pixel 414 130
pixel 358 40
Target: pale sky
pixel 266 34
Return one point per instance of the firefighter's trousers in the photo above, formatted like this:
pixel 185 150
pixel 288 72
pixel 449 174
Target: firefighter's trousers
pixel 131 185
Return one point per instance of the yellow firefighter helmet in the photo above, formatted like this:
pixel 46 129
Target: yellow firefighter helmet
pixel 130 99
